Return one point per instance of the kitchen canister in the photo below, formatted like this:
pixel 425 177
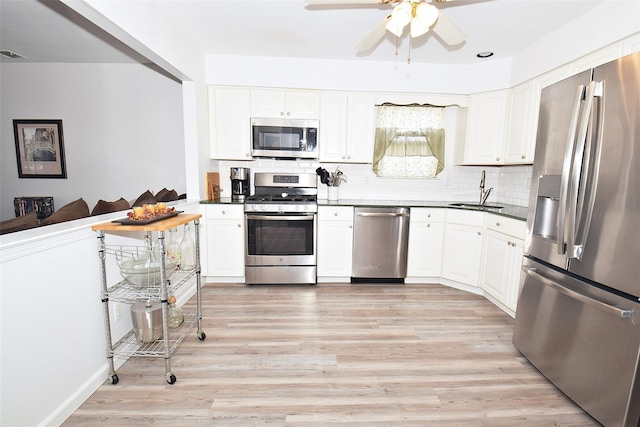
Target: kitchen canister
pixel 332 192
pixel 147 321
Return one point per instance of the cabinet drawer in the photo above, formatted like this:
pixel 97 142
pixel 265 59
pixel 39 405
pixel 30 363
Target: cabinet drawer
pixel 224 211
pixel 335 213
pixel 427 215
pixel 509 226
pixel 457 216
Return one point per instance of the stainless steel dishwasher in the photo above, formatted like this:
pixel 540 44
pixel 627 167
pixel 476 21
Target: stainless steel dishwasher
pixel 380 243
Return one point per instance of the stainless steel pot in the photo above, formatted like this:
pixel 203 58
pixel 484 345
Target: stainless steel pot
pixel 147 321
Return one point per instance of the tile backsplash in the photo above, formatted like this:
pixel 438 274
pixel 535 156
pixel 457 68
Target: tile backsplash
pixel 456 183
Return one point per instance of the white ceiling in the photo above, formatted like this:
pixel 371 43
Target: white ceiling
pixel 48 31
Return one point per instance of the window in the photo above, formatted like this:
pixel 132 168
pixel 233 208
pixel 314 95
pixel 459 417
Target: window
pixel 409 141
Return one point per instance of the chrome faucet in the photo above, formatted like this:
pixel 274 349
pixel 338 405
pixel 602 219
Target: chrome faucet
pixel 484 194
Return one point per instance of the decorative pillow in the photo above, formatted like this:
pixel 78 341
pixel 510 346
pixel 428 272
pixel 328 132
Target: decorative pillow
pixel 74 210
pixel 103 207
pixel 145 198
pixel 165 195
pixel 20 223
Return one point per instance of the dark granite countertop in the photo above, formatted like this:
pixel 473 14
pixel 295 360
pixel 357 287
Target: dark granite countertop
pixel 510 211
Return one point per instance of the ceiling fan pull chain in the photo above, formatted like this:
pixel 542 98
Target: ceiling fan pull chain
pixel 397 42
pixel 409 55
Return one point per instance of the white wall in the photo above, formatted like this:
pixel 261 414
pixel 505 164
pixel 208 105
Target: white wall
pixel 122 127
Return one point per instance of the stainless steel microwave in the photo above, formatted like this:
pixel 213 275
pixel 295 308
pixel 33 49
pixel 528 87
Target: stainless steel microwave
pixel 284 138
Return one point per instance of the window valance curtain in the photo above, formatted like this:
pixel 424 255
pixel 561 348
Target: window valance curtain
pixel 409 141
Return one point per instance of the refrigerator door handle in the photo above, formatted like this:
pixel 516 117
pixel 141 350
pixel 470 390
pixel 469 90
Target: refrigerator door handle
pixel 588 187
pixel 566 170
pixel 618 312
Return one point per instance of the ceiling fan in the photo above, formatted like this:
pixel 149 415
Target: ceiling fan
pixel 420 15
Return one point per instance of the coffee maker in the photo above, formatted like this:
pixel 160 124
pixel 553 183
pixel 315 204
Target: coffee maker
pixel 240 183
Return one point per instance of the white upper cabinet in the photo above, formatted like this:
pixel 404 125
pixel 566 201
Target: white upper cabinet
pixel 522 124
pixel 291 104
pixel 486 124
pixel 347 127
pixel 229 121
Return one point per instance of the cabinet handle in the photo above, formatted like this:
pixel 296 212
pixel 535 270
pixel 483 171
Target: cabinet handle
pixel 350 226
pixel 239 225
pixel 479 233
pixel 497 224
pixel 343 157
pixel 247 155
pixel 524 157
pixel 428 225
pixel 335 214
pixel 224 213
pixel 498 159
pixel 428 215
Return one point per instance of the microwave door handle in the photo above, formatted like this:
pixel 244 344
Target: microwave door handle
pixel 577 210
pixel 566 170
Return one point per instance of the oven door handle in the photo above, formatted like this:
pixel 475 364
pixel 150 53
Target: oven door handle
pixel 281 217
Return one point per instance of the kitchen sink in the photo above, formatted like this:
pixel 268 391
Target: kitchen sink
pixel 476 206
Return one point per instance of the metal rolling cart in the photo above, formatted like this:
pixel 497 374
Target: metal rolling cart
pixel 159 290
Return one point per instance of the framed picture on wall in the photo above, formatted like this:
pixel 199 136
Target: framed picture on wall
pixel 39 148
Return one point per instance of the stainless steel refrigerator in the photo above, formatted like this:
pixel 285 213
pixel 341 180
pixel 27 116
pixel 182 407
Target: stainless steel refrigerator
pixel 578 313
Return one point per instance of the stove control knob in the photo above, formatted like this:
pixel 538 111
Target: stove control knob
pixel 284 195
pixel 280 208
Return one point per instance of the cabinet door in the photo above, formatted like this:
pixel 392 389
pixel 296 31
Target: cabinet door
pixel 462 252
pixel 497 256
pixel 523 122
pixel 303 104
pixel 486 122
pixel 347 127
pixel 425 248
pixel 335 241
pixel 225 241
pixel 333 127
pixel 267 103
pixel 229 123
pixel 361 128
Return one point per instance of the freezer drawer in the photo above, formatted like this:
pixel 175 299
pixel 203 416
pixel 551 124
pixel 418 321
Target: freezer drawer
pixel 584 340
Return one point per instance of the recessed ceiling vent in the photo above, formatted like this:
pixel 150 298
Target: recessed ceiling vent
pixel 11 55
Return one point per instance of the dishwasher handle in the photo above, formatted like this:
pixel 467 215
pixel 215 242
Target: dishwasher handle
pixel 385 214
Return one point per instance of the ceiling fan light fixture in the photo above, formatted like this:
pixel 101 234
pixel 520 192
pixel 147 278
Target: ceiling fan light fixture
pixel 400 17
pixel 423 17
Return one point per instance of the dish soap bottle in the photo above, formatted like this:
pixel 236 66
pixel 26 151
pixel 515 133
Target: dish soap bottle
pixel 175 314
pixel 187 250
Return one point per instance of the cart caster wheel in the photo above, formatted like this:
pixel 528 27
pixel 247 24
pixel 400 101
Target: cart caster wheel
pixel 171 379
pixel 114 379
pixel 201 335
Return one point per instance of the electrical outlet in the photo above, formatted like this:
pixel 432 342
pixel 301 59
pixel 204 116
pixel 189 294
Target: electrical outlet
pixel 117 310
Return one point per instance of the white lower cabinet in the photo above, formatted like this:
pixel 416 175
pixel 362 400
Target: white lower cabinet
pixel 503 251
pixel 426 234
pixel 335 241
pixel 462 249
pixel 225 240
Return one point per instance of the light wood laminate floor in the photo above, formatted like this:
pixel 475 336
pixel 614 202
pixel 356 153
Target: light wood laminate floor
pixel 338 354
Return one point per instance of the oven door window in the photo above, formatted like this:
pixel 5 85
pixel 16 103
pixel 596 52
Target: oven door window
pixel 280 236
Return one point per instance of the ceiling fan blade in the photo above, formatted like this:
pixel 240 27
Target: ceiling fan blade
pixel 448 31
pixel 373 37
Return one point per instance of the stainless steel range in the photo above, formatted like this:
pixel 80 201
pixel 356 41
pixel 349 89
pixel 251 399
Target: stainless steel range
pixel 280 220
